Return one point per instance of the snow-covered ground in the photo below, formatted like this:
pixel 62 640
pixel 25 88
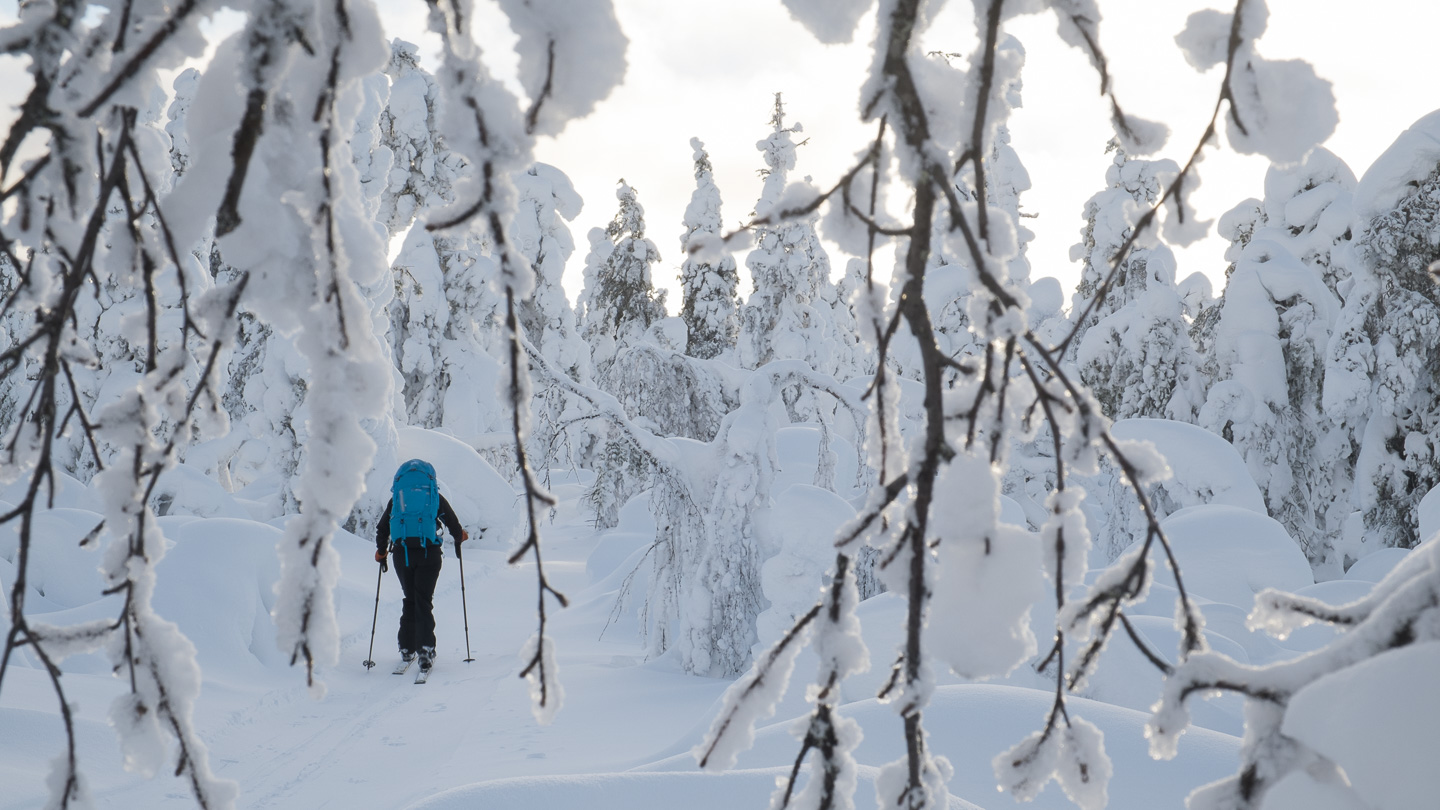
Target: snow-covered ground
pixel 624 735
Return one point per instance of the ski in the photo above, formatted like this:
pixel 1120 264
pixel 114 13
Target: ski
pixel 423 674
pixel 402 666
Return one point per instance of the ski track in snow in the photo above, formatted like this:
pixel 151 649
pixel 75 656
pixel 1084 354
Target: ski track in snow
pixel 380 740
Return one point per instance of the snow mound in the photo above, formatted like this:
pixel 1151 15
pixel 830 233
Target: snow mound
pixel 797 456
pixel 801 526
pixel 971 723
pixel 185 490
pixel 31 740
pixel 481 497
pixel 1206 468
pixel 70 492
pixel 1375 720
pixel 1374 567
pixel 217 584
pixel 1228 554
pixel 62 572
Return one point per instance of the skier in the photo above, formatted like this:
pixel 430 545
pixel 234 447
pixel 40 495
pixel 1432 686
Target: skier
pixel 409 528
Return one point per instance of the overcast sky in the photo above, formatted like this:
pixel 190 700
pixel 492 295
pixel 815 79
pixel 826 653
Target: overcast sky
pixel 710 68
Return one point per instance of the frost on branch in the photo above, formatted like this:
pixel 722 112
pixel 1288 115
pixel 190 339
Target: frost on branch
pixel 1396 623
pixel 751 699
pixel 1206 38
pixel 309 251
pixel 572 54
pixel 1279 109
pixel 541 673
pixel 1073 755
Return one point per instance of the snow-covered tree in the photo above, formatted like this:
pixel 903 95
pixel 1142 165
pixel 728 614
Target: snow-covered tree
pixel 1381 385
pixel 848 320
pixel 547 202
pixel 447 332
pixel 1311 201
pixel 709 288
pixel 423 170
pixel 789 315
pixel 1138 359
pixel 1268 356
pixel 1132 184
pixel 619 301
pixel 704 592
pixel 618 305
pixel 1132 341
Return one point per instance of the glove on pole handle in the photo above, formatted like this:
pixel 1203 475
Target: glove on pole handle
pixel 370 659
pixel 464 611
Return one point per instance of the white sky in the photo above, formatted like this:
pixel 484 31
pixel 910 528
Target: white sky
pixel 709 69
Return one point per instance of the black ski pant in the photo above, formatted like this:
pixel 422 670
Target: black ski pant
pixel 418 568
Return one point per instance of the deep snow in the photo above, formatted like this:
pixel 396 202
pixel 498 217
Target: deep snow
pixel 624 735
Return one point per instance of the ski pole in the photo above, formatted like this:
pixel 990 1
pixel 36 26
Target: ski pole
pixel 464 611
pixel 370 659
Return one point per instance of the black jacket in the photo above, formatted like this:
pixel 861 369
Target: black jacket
pixel 446 516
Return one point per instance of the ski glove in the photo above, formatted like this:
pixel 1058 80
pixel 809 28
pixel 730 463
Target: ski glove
pixel 384 560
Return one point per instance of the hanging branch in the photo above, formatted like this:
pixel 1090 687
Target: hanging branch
pixel 773 666
pixel 1048 402
pixel 132 67
pixel 824 734
pixel 52 332
pixel 540 667
pixel 899 95
pixel 1173 191
pixel 518 279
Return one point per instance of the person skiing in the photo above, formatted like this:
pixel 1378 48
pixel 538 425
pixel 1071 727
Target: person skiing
pixel 409 529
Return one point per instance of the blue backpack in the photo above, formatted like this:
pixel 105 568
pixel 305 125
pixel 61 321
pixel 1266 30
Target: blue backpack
pixel 414 503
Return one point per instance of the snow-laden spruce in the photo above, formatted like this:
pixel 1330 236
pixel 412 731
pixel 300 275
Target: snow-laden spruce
pixel 1380 367
pixel 710 288
pixel 1132 342
pixel 790 313
pixel 617 307
pixel 1276 319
